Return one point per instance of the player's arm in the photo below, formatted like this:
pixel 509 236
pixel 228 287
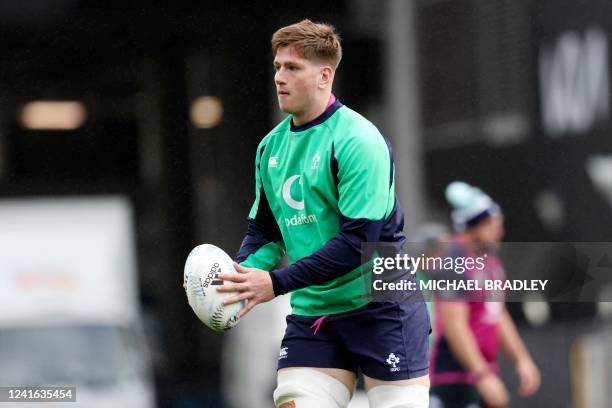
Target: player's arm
pixel 457 332
pixel 514 348
pixel 455 320
pixel 262 246
pixel 261 249
pixel 364 175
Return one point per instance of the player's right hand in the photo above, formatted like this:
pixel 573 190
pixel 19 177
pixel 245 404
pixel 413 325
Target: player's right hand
pixel 493 391
pixel 529 377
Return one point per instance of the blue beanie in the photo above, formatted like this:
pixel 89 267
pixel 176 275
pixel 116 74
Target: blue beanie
pixel 470 205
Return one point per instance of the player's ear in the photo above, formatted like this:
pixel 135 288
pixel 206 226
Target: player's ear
pixel 326 76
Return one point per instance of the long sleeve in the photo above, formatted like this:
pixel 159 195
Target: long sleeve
pixel 262 246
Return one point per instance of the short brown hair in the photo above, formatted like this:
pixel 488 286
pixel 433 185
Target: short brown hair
pixel 311 41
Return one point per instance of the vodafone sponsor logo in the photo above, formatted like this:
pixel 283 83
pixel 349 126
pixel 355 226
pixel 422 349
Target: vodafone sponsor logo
pixel 298 219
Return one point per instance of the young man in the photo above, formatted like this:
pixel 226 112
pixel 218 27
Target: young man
pixel 324 186
pixel 472 325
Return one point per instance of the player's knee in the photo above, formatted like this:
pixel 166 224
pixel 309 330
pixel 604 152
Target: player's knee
pixel 399 396
pixel 308 388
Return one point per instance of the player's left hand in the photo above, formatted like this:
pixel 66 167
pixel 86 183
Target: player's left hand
pixel 529 376
pixel 253 285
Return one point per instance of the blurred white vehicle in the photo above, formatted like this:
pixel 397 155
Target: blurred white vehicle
pixel 69 313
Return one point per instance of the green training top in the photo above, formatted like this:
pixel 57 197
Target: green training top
pixel 327 187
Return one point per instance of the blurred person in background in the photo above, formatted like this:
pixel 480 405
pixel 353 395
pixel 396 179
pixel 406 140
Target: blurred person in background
pixel 325 186
pixel 471 327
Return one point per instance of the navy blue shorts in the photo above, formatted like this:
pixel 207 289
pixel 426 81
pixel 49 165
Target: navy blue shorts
pixel 387 340
pixel 454 396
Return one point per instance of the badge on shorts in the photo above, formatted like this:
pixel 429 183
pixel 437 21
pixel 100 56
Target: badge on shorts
pixel 393 360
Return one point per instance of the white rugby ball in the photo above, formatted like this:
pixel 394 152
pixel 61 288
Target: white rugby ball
pixel 204 263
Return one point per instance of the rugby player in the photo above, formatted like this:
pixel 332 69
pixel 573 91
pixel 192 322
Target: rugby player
pixel 324 185
pixel 471 327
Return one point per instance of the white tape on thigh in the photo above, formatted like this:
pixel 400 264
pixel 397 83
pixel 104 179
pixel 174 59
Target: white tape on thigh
pixel 399 396
pixel 309 388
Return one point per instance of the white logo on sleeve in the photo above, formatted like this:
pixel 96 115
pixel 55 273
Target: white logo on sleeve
pixel 296 205
pixel 393 360
pixel 273 161
pixel 283 353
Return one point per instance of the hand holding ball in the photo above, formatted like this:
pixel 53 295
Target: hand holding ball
pixel 203 265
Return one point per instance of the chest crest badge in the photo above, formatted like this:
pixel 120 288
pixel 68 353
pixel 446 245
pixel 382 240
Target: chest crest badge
pixel 316 159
